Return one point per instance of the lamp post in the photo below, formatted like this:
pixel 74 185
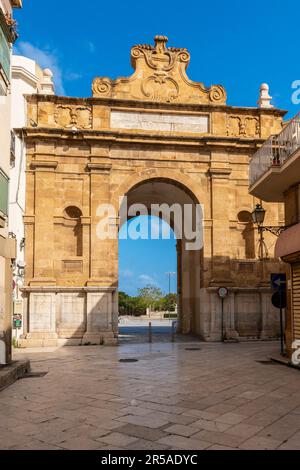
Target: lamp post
pixel 258 217
pixel 170 275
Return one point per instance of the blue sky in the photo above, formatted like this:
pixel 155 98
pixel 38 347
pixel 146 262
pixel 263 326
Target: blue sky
pixel 239 44
pixel 144 262
pixel 235 43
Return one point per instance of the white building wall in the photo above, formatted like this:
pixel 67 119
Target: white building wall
pixel 5 102
pixel 24 81
pixel 27 78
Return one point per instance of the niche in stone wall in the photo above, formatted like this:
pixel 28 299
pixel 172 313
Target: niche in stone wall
pixel 248 234
pixel 72 232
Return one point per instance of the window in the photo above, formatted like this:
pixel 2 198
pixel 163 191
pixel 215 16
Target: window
pixel 4 54
pixel 3 194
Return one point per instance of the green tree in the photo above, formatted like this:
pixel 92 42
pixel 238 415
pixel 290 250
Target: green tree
pixel 169 302
pixel 123 299
pixel 150 296
pixel 124 303
pixel 131 305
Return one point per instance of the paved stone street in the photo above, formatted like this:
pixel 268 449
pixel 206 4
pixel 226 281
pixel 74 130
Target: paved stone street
pixel 218 397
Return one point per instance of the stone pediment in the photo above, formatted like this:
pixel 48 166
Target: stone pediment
pixel 160 76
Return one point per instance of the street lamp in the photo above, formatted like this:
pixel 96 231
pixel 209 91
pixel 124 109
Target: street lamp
pixel 170 275
pixel 258 217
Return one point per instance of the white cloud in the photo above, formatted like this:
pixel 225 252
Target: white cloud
pixel 72 76
pixel 126 274
pixel 92 47
pixel 146 279
pixel 45 59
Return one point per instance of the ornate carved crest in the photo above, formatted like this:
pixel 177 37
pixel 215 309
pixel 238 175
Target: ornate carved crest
pixel 73 116
pixel 160 75
pixel 243 126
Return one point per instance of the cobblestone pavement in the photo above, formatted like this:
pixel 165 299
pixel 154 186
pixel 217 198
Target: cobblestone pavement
pixel 218 397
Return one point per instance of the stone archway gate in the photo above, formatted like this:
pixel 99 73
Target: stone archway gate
pixel 84 152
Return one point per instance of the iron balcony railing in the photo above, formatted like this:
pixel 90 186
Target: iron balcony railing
pixel 276 150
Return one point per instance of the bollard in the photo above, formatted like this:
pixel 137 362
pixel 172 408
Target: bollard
pixel 173 333
pixel 150 332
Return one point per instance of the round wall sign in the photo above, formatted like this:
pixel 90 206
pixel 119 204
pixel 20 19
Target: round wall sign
pixel 223 292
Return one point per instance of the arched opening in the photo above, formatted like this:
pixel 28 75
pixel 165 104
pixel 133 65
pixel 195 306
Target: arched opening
pixel 248 234
pixel 72 231
pixel 178 209
pixel 147 278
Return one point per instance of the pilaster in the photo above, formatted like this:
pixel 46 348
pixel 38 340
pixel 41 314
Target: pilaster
pixel 221 244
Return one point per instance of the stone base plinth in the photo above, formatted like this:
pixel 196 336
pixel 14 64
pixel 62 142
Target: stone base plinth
pixel 231 334
pixel 247 314
pixel 268 334
pixel 38 340
pixel 106 338
pixel 70 316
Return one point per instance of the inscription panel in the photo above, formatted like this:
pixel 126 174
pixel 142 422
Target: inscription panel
pixel 160 121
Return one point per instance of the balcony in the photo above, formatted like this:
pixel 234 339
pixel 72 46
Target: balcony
pixel 276 165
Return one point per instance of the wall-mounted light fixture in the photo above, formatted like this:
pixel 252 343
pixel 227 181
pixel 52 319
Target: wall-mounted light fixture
pixel 258 217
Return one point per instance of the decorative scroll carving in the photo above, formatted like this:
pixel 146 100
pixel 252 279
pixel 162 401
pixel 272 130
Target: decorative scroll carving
pixel 102 87
pixel 233 125
pixel 152 88
pixel 79 117
pixel 217 94
pixel 243 126
pixel 160 75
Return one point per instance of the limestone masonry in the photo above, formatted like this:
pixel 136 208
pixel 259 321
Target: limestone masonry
pixel 155 137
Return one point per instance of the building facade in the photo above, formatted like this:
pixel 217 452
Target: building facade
pixel 8 36
pixel 155 137
pixel 275 177
pixel 27 79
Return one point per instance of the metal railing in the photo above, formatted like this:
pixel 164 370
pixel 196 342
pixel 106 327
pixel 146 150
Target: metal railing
pixel 276 150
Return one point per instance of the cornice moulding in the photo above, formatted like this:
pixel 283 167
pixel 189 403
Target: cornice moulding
pixel 43 165
pixel 148 105
pixel 110 136
pixel 99 167
pixel 20 72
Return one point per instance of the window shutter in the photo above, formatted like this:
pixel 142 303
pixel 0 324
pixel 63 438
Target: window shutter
pixel 296 299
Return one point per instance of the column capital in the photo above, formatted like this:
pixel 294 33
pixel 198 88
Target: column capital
pixel 219 173
pixel 43 165
pixel 99 167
